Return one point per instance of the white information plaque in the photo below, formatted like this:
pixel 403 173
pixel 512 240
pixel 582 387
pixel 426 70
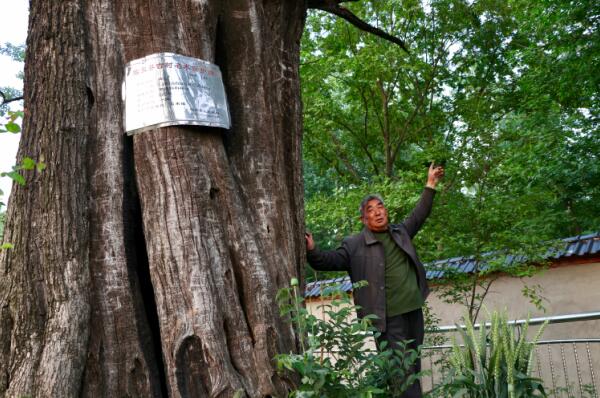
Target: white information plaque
pixel 167 89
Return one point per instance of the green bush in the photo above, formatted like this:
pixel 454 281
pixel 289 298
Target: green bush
pixel 495 362
pixel 333 361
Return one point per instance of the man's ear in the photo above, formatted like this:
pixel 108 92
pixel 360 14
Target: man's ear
pixel 362 219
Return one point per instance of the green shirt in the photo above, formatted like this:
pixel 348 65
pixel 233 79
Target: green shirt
pixel 402 292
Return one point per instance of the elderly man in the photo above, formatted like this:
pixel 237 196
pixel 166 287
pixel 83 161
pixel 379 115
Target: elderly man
pixel 384 256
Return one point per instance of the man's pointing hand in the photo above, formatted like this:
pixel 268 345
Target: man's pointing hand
pixel 434 175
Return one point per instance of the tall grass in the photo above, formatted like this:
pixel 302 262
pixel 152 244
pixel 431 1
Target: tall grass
pixel 493 362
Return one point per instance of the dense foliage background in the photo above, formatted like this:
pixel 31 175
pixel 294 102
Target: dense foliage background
pixel 504 92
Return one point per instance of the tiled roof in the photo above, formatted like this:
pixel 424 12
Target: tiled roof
pixel 576 246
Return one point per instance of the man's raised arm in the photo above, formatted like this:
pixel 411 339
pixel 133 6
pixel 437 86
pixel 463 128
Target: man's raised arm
pixel 415 220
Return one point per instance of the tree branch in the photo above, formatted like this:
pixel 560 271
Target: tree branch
pixel 366 132
pixel 358 139
pixel 331 162
pixel 333 7
pixel 386 128
pixel 486 290
pixel 9 100
pixel 342 156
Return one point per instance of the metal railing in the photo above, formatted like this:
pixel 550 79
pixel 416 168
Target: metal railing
pixel 584 316
pixel 568 366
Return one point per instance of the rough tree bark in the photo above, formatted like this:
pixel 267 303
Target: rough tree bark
pixel 221 212
pixel 148 266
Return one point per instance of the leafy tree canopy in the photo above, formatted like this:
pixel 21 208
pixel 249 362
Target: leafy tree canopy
pixel 505 93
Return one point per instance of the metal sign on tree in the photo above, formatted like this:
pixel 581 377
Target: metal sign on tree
pixel 166 89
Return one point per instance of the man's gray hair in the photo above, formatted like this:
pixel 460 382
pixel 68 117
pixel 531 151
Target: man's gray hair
pixel 367 199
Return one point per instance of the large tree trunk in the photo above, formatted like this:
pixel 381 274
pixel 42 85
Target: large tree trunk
pixel 148 266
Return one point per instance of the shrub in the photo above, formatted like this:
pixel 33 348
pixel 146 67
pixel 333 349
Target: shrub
pixel 334 360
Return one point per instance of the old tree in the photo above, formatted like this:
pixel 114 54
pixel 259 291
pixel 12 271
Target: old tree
pixel 148 266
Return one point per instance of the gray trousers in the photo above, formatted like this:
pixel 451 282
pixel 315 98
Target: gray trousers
pixel 408 326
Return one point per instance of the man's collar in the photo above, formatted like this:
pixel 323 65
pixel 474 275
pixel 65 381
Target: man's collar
pixel 394 227
pixel 369 237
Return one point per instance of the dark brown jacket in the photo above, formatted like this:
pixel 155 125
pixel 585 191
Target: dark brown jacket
pixel 362 256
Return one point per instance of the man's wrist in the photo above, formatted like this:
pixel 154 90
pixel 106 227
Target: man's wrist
pixel 431 185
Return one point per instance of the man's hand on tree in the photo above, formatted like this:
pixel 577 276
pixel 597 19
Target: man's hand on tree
pixel 436 172
pixel 310 242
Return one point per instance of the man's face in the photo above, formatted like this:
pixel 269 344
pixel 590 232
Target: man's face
pixel 375 216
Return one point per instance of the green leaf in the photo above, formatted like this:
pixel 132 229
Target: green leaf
pixel 13 127
pixel 15 176
pixel 6 246
pixel 27 164
pixel 40 166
